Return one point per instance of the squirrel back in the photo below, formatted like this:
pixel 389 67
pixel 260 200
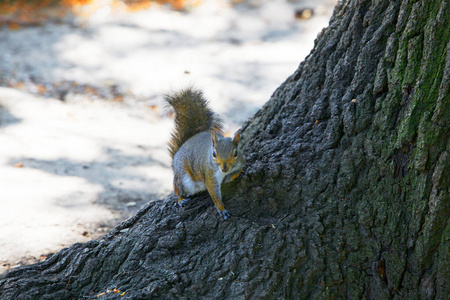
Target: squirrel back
pixel 193 116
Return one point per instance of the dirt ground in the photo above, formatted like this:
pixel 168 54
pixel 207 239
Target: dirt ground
pixel 83 131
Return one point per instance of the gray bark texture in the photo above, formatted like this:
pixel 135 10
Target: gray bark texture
pixel 345 192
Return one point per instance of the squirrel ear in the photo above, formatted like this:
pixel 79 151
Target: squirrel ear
pixel 237 137
pixel 213 138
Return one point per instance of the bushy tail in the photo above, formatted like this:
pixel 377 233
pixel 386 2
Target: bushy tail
pixel 193 116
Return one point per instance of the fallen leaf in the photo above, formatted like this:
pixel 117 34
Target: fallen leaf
pixel 154 108
pixel 304 13
pixel 41 88
pixel 14 26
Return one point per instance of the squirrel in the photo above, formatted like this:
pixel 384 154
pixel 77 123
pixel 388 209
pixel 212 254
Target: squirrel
pixel 201 156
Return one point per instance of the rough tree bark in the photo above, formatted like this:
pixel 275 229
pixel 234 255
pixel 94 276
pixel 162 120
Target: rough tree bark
pixel 345 192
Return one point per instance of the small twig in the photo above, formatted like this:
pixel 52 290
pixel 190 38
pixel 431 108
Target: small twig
pixel 68 283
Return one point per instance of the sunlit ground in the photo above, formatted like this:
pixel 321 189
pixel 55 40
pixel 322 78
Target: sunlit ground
pixel 83 131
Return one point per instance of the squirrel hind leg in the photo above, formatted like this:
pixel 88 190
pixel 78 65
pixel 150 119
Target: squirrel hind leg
pixel 182 201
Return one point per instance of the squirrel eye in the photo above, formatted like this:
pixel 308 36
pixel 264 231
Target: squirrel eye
pixel 214 154
pixel 235 153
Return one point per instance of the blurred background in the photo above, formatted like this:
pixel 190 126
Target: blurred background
pixel 83 128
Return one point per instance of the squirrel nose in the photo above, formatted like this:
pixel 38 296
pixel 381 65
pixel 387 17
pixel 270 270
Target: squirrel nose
pixel 224 168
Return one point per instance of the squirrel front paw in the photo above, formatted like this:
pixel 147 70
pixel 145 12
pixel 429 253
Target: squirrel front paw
pixel 224 213
pixel 182 201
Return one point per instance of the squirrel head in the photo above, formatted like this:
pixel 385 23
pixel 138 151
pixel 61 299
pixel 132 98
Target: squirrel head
pixel 225 151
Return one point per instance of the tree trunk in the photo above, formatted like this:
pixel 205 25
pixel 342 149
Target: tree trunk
pixel 345 193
